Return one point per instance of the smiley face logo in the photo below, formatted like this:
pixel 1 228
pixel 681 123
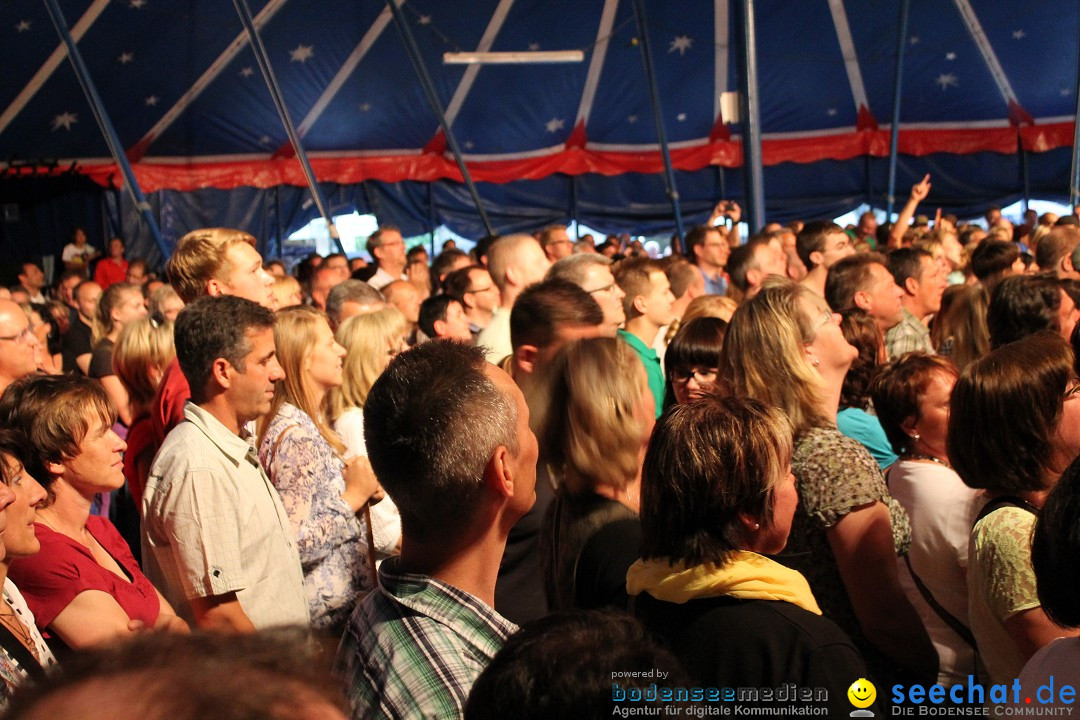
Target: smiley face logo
pixel 862 693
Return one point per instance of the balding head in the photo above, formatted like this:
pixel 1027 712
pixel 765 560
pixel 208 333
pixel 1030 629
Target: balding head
pixel 403 295
pixel 515 262
pixel 20 352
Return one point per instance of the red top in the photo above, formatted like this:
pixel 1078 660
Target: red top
pixel 63 568
pixel 109 273
pixel 138 456
pixel 168 409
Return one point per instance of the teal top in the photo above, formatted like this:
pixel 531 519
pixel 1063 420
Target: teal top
pixel 653 371
pixel 860 425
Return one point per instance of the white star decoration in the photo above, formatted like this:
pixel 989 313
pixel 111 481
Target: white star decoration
pixel 534 46
pixel 125 58
pixel 1019 34
pixel 23 26
pixel 264 140
pixel 137 4
pixel 151 101
pixel 946 80
pixel 950 55
pixel 301 53
pixel 424 20
pixel 681 117
pixel 1065 91
pixel 469 145
pixel 830 112
pixel 554 124
pixel 681 44
pixel 64 120
pixel 247 72
pixel 913 40
pixel 631 119
pixel 364 107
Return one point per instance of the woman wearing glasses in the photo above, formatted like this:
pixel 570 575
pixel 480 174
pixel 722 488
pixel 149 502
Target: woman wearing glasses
pixel 692 359
pixel 785 347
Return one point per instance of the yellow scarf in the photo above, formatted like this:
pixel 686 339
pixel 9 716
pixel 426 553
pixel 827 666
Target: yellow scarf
pixel 746 575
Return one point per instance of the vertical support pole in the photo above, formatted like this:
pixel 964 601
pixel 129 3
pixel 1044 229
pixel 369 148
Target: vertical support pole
pixel 116 149
pixel 261 57
pixel 431 216
pixel 573 207
pixel 898 84
pixel 754 178
pixel 658 118
pixel 1074 172
pixel 436 106
pixel 1025 178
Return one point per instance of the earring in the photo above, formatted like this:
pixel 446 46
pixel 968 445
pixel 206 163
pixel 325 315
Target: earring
pixel 757 526
pixel 817 362
pixel 915 437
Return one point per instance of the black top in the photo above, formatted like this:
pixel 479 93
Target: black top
pixel 588 544
pixel 101 360
pixel 519 591
pixel 75 342
pixel 726 642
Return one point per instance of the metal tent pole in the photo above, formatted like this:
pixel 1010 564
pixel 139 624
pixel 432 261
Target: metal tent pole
pixel 894 133
pixel 116 149
pixel 1074 173
pixel 263 60
pixel 661 134
pixel 751 120
pixel 437 108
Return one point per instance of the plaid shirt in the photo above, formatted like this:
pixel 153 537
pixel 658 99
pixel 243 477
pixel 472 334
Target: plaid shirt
pixel 909 335
pixel 414 647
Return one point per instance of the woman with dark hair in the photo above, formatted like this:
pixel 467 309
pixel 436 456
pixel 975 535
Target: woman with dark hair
pixel 911 395
pixel 717 496
pixel 84 586
pixel 1055 547
pixel 593 442
pixel 854 418
pixel 23 652
pixel 692 358
pixel 119 305
pixel 785 347
pixel 1014 427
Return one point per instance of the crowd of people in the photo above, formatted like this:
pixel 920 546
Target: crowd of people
pixel 427 487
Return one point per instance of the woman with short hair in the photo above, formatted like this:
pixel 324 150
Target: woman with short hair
pixel 593 441
pixel 324 495
pixel 1014 427
pixel 785 347
pixel 717 497
pixel 84 587
pixel 911 395
pixel 692 358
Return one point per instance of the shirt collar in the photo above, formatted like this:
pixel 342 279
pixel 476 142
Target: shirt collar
pixel 235 447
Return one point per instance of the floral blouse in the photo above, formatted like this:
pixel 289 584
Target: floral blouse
pixel 331 538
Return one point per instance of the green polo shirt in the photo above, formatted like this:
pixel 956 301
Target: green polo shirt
pixel 653 371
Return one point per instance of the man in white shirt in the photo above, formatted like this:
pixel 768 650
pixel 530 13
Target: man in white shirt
pixel 216 539
pixel 387 247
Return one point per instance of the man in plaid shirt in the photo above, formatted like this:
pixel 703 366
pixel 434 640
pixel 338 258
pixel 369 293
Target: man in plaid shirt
pixel 448 437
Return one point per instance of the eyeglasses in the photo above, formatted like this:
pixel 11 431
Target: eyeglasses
pixel 22 337
pixel 606 288
pixel 480 290
pixel 1071 390
pixel 822 320
pixel 704 376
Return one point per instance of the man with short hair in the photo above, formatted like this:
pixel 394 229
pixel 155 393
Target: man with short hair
pixel 994 260
pixel 448 437
pixel 864 281
pixel 1054 253
pixel 648 306
pixel 387 247
pixel 138 272
pixel 113 268
pixel 350 298
pixel 515 262
pixel 866 230
pixel 820 245
pixel 323 280
pixel 709 251
pixel 1023 305
pixel 20 351
pixel 556 242
pixel 748 265
pixel 922 280
pixel 32 280
pixel 592 273
pixel 216 540
pixel 443 318
pixel 476 290
pixel 214 262
pixel 76 346
pixel 338 263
